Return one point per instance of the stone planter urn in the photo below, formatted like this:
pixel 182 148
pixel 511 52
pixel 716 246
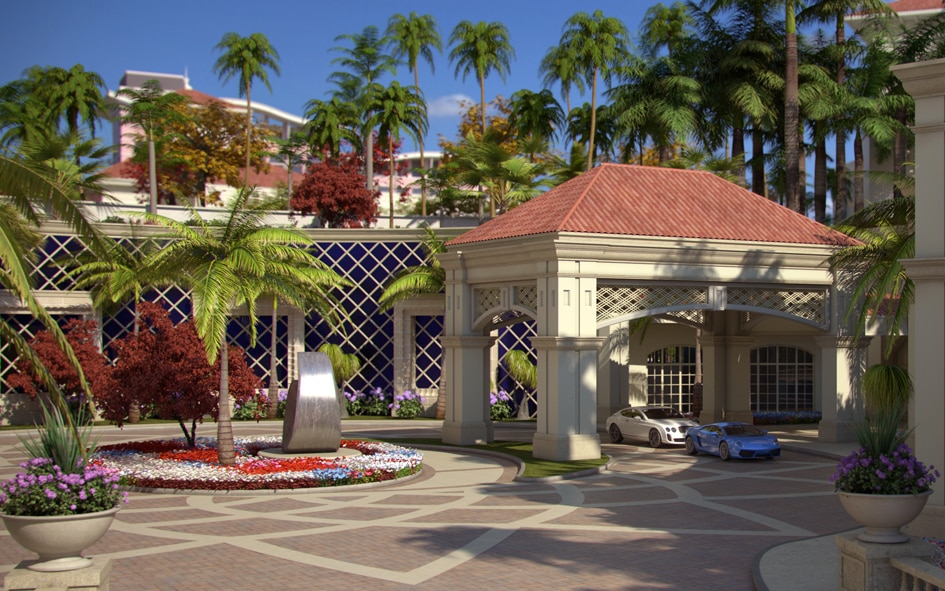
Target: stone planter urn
pixel 60 539
pixel 883 515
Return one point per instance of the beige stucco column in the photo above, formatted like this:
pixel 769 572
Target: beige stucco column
pixel 726 379
pixel 567 398
pixel 466 362
pixel 567 346
pixel 842 361
pixel 925 81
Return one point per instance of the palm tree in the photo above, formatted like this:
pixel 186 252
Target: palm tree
pixel 560 65
pixel 366 62
pixel 535 114
pixel 30 193
pixel 72 95
pixel 507 179
pixel 232 267
pixel 481 48
pixel 150 107
pixel 598 43
pixel 329 123
pixel 872 270
pixel 426 278
pixel 249 58
pixel 410 38
pixel 665 26
pixel 399 108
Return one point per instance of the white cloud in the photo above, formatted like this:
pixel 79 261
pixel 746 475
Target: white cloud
pixel 446 106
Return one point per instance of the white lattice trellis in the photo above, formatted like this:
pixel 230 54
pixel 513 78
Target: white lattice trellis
pixel 487 299
pixel 614 301
pixel 808 304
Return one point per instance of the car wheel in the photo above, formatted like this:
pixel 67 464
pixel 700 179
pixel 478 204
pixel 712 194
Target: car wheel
pixel 655 440
pixel 691 446
pixel 615 435
pixel 724 452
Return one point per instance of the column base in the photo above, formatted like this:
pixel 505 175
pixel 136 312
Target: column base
pixel 566 448
pixel 866 566
pixel 92 578
pixel 466 433
pixel 740 416
pixel 829 431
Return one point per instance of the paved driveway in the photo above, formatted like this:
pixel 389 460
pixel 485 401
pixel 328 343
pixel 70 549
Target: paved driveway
pixel 658 519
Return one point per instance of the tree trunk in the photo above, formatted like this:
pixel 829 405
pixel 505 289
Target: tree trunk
pixel 249 130
pixel 152 177
pixel 858 162
pixel 273 364
pixel 423 184
pixel 840 159
pixel 820 181
pixel 738 154
pixel 369 159
pixel 590 141
pixel 758 184
pixel 226 454
pixel 792 156
pixel 390 169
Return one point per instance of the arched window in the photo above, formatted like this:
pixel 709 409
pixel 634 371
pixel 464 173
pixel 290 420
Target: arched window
pixel 670 373
pixel 782 379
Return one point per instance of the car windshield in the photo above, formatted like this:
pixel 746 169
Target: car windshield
pixel 743 430
pixel 663 413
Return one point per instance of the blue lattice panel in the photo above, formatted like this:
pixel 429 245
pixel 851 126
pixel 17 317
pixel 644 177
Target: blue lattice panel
pixel 365 332
pixel 517 336
pixel 428 351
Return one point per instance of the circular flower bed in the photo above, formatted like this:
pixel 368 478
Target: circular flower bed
pixel 169 463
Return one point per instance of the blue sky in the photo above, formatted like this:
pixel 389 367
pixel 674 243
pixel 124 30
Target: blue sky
pixel 173 36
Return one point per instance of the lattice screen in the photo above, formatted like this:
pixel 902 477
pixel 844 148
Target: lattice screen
pixel 367 264
pixel 428 351
pixel 614 301
pixel 517 336
pixel 809 304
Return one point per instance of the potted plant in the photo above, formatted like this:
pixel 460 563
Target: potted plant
pixel 61 503
pixel 882 485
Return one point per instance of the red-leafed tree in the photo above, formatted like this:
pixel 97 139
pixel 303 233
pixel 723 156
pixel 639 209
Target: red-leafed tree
pixel 82 335
pixel 163 367
pixel 334 190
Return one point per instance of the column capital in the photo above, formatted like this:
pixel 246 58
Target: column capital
pixel 843 342
pixel 568 343
pixel 925 269
pixel 468 342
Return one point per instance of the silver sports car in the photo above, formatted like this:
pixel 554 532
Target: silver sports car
pixel 656 424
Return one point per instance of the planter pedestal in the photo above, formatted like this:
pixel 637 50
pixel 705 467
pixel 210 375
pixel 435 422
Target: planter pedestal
pixel 93 578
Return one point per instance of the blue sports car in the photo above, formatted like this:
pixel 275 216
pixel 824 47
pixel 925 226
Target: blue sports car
pixel 732 440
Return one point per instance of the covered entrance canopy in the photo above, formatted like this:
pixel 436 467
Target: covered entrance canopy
pixel 623 242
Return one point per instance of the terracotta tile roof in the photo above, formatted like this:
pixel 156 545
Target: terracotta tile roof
pixel 201 98
pixel 912 5
pixel 631 200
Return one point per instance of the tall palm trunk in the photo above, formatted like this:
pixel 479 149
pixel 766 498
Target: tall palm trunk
pixel 390 170
pixel 590 141
pixel 758 184
pixel 858 165
pixel 423 184
pixel 226 454
pixel 152 175
pixel 273 364
pixel 840 159
pixel 820 180
pixel 792 156
pixel 738 151
pixel 249 131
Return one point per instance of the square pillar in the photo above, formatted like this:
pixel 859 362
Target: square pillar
pixel 567 398
pixel 91 578
pixel 865 566
pixel 726 379
pixel 925 81
pixel 466 362
pixel 842 363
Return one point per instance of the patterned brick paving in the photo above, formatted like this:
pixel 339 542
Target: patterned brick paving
pixel 658 520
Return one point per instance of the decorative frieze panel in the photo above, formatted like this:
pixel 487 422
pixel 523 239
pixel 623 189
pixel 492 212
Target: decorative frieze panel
pixel 810 305
pixel 527 297
pixel 616 301
pixel 488 298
